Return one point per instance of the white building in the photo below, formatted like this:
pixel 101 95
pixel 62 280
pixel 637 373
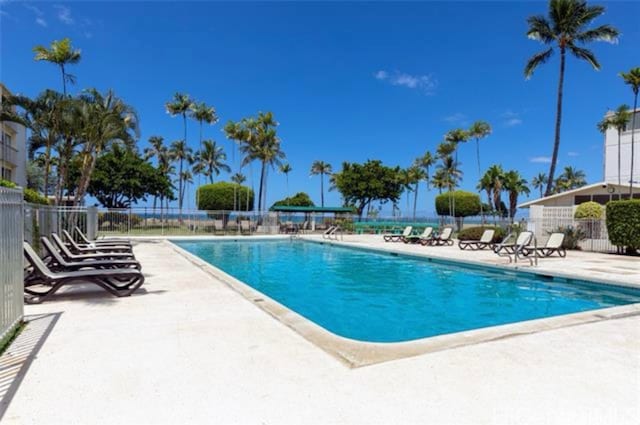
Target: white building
pixel 13 149
pixel 611 153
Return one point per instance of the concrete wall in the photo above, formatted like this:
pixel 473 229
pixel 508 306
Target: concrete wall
pixel 611 154
pixel 16 163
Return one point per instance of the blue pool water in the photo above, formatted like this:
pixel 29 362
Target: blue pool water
pixel 378 297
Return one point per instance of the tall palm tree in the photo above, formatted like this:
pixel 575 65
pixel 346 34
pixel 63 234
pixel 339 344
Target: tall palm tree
pixel 62 54
pixel 238 178
pixel 632 78
pixel 539 181
pixel 416 175
pixel 566 28
pixel 180 105
pixel 203 114
pixel 321 168
pixel 211 160
pixel 448 168
pixel 180 152
pixel 440 180
pixel 104 119
pixel 426 161
pixel 493 178
pixel 259 141
pixel 571 178
pixel 286 169
pixel 479 130
pixel 155 151
pixel 515 185
pixel 455 137
pixel 619 121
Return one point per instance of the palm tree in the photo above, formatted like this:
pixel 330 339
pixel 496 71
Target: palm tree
pixel 155 151
pixel 186 178
pixel 571 178
pixel 62 54
pixel 426 161
pixel 515 185
pixel 321 168
pixel 493 179
pixel 103 119
pixel 539 181
pixel 455 137
pixel 211 160
pixel 448 168
pixel 567 29
pixel 416 175
pixel 632 78
pixel 238 178
pixel 479 130
pixel 203 114
pixel 286 169
pixel 180 105
pixel 440 180
pixel 180 152
pixel 619 121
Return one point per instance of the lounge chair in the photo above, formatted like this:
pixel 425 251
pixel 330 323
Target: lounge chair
pixel 444 238
pixel 56 262
pixel 329 232
pixel 85 240
pixel 119 282
pixel 66 253
pixel 398 238
pixel 484 242
pixel 553 245
pixel 524 239
pixel 80 249
pixel 245 226
pixel 218 225
pixel 425 238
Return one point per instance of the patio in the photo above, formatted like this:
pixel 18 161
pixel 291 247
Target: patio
pixel 188 349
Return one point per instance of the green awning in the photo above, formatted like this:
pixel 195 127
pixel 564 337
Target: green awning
pixel 286 208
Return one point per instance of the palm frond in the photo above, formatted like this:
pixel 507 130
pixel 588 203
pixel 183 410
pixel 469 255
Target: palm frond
pixel 585 54
pixel 536 60
pixel 540 29
pixel 602 33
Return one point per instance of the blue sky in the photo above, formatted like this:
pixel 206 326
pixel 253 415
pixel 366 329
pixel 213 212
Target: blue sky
pixel 346 81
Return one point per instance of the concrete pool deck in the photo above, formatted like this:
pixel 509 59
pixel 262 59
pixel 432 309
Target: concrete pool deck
pixel 188 349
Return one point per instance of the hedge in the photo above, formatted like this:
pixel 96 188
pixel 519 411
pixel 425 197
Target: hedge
pixel 623 224
pixel 475 233
pixel 300 199
pixel 219 197
pixel 29 195
pixel 466 203
pixel 588 210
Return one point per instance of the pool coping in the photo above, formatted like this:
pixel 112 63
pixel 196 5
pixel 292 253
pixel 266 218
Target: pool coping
pixel 355 354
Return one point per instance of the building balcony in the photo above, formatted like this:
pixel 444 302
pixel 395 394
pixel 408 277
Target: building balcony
pixel 8 154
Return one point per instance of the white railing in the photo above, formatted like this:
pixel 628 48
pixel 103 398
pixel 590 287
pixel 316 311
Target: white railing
pixel 11 262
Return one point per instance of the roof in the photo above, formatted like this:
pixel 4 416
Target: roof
pixel 287 208
pixel 571 192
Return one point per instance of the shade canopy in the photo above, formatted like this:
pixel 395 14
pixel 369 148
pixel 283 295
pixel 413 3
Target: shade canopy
pixel 288 208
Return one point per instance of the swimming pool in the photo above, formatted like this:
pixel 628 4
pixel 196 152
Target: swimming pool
pixel 378 297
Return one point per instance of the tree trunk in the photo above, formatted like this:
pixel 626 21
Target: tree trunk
pixel 556 142
pixel 322 189
pixel 633 132
pixel 415 200
pixel 260 187
pixel 620 159
pixel 479 175
pixel 64 81
pixel 47 169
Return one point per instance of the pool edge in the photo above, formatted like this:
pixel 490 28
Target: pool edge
pixel 355 354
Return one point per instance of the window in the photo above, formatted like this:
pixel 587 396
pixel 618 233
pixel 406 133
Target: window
pixel 6 138
pixel 637 123
pixel 6 173
pixel 601 199
pixel 579 199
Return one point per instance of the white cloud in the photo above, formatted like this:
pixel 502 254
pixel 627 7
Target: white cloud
pixel 40 21
pixel 425 82
pixel 457 118
pixel 573 153
pixel 540 159
pixel 511 119
pixel 64 14
pixel 39 14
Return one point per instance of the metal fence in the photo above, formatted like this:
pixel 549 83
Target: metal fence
pixel 11 262
pixel 589 235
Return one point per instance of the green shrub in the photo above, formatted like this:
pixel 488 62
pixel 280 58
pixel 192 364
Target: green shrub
pixel 219 196
pixel 35 197
pixel 112 221
pixel 623 224
pixel 572 235
pixel 588 210
pixel 466 203
pixel 475 233
pixel 7 183
pixel 300 199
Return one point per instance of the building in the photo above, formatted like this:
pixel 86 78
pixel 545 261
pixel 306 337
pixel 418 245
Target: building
pixel 611 153
pixel 13 149
pixel 601 193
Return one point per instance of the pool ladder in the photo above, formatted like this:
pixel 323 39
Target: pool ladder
pixel 517 253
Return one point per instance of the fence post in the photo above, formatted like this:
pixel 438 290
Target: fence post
pixel 92 223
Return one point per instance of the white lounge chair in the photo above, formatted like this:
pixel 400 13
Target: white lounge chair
pixel 484 242
pixel 553 245
pixel 398 238
pixel 424 238
pixel 444 238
